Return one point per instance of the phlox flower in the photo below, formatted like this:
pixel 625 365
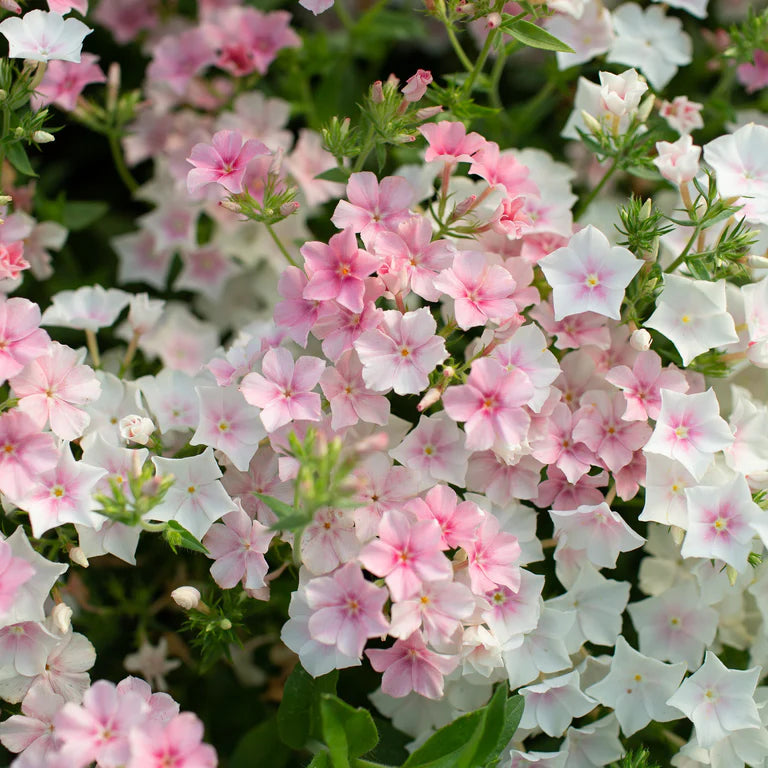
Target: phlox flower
pixel 410 666
pixel 346 610
pixel 753 75
pixel 718 700
pixel 372 207
pixel 553 703
pixel 590 35
pixel 295 313
pixel 316 6
pixel 406 553
pixel 682 114
pixel 284 392
pixel 152 663
pixel 14 571
pixel 665 484
pixel 178 57
pixel 64 81
pixel 678 162
pixel 481 290
pixel 44 36
pixel 491 404
pixel 12 261
pixel 329 540
pixel 556 446
pixel 692 315
pixel 25 451
pixel 177 743
pixel 88 308
pixel 401 352
pixel 222 162
pixel 589 275
pixel 491 558
pixel 338 270
pixel 21 340
pixel 51 388
pixel 696 8
pixel 597 742
pixel 512 614
pixel 238 547
pixel 690 430
pixel 458 521
pixel 621 94
pixel 450 142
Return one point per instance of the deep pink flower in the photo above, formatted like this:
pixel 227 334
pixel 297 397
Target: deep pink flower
pixel 458 521
pixel 12 261
pixel 491 557
pixel 416 85
pixel 555 445
pixel 223 162
pixel 64 81
pixel 173 744
pixel 450 142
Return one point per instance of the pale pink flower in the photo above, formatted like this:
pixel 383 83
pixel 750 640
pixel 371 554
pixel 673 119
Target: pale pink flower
pixel 21 339
pixel 573 331
pixel 25 452
pixel 206 271
pixel 372 207
pixel 14 571
pixel 401 352
pixel 555 445
pixel 329 540
pixel 621 94
pixel 589 275
pixel 678 162
pixel 458 521
pixel 416 85
pixel 152 663
pixel 64 81
pixel 406 554
pixel 682 114
pixel 295 313
pixel 65 6
pixel 51 387
pixel 176 743
pixel 346 610
pixel 503 168
pixel 338 270
pixel 450 142
pixel 481 290
pixel 753 75
pixel 491 558
pixel 12 261
pixel 307 160
pixel 491 404
pixel 177 58
pixel 222 162
pixel 136 429
pixel 88 308
pixel 284 392
pixel 238 548
pixel 44 36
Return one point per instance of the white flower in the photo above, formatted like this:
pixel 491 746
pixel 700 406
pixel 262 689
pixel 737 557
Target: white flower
pixel 678 162
pixel 621 94
pixel 136 429
pixel 44 36
pixel 186 597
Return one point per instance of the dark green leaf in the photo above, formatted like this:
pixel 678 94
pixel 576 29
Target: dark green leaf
pixel 298 716
pixel 17 157
pixel 334 174
pixel 259 741
pixel 439 748
pixel 698 270
pixel 290 523
pixel 321 760
pixel 334 734
pixel 358 725
pixel 79 214
pixel 513 713
pixel 487 737
pixel 535 37
pixel 178 536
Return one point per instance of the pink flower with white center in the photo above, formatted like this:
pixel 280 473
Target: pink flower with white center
pixel 491 557
pixel 410 247
pixel 450 142
pixel 98 730
pixel 228 424
pixel 690 430
pixel 556 445
pixel 21 339
pixel 682 114
pixel 642 385
pixel 44 36
pixel 480 290
pixel 410 666
pixel 718 700
pixel 558 493
pixel 720 522
pixel 284 392
pixel 294 312
pixel 64 81
pixel 346 610
pixel 51 387
pixel 406 554
pixel 678 162
pixel 439 608
pixel 503 168
pixel 416 85
pixel 401 352
pixel 173 744
pixel 753 75
pixel 14 571
pixel 597 530
pixel 222 162
pixel 63 494
pixel 434 450
pixel 350 400
pixel 491 404
pixel 238 548
pixel 25 452
pixel 458 521
pixel 589 275
pixel 372 207
pixel 599 425
pixel 338 270
pixel 33 732
pixel 329 540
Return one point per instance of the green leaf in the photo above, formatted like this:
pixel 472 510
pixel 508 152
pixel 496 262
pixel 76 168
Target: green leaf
pixel 290 523
pixel 535 37
pixel 361 733
pixel 513 713
pixel 280 508
pixel 298 716
pixel 438 751
pixel 178 536
pixel 17 157
pixel 334 174
pixel 487 736
pixel 79 214
pixel 697 269
pixel 334 735
pixel 259 741
pixel 321 760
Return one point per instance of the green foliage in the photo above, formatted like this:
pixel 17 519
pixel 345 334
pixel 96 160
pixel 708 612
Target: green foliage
pixel 749 36
pixel 533 36
pixel 261 745
pixel 640 758
pixel 298 717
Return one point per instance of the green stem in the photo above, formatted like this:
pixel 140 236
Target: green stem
pixel 152 527
pixel 496 72
pixel 122 169
pixel 681 258
pixel 93 347
pixel 480 63
pixel 280 245
pixel 463 58
pixel 344 16
pixel 368 144
pixel 587 201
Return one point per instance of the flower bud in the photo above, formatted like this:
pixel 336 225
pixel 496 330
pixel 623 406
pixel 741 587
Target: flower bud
pixel 591 122
pixel 493 20
pixel 231 205
pixel 136 429
pixel 416 85
pixel 186 597
pixel 377 92
pixel 759 262
pixel 640 340
pixel 42 137
pixel 644 112
pixel 10 5
pixel 427 112
pixel 646 210
pixel 286 209
pixel 143 313
pixel 62 617
pixel 432 396
pixel 77 556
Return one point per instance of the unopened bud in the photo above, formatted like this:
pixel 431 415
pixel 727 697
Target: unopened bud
pixel 733 574
pixel 428 112
pixel 225 624
pixel 113 85
pixel 646 210
pixel 77 556
pixel 231 205
pixel 640 340
pixel 645 108
pixel 405 138
pixel 5 199
pixel 286 209
pixel 10 5
pixel 3 94
pixel 136 429
pixel 449 371
pixel 465 205
pixel 42 137
pixel 678 534
pixel 759 262
pixel 186 597
pixel 432 396
pixel 493 20
pixel 591 122
pixel 377 92
pixel 62 617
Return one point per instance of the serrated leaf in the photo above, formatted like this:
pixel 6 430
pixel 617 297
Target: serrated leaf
pixel 183 538
pixel 17 157
pixel 359 728
pixel 334 174
pixel 535 37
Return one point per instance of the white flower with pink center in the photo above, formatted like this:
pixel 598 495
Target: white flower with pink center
pixel 44 36
pixel 589 275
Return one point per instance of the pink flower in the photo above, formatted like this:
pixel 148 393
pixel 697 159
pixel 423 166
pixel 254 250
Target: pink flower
pixel 51 387
pixel 416 85
pixel 681 114
pixel 12 261
pixel 179 57
pixel 329 540
pixel 64 81
pixel 65 6
pixel 503 169
pixel 458 521
pixel 338 270
pixel 678 162
pixel 346 610
pixel 294 312
pixel 21 338
pixel 285 391
pixel 401 352
pixel 176 743
pixel 410 666
pixel 14 571
pixel 754 75
pixel 555 445
pixel 491 404
pixel 222 162
pixel 238 548
pixel 25 452
pixel 450 142
pixel 491 556
pixel 406 554
pixel 372 207
pixel 480 290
